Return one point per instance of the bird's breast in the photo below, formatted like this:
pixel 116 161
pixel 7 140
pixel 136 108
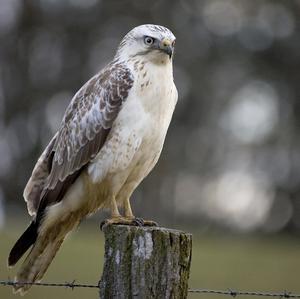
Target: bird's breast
pixel 139 131
pixel 155 89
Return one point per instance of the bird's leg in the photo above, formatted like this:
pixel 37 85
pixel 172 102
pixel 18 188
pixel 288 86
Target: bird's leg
pixel 129 218
pixel 129 215
pixel 136 221
pixel 116 217
pixel 127 209
pixel 115 214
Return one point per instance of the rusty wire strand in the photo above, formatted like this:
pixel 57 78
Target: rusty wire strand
pixel 70 285
pixel 235 293
pixel 230 292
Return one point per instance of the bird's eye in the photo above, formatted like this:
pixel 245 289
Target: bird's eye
pixel 148 40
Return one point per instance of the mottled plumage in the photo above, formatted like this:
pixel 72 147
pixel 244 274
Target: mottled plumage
pixel 110 138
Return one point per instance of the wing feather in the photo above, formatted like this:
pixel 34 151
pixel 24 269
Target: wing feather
pixel 100 101
pixel 85 126
pixel 36 183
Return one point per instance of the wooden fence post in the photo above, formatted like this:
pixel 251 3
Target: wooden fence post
pixel 145 262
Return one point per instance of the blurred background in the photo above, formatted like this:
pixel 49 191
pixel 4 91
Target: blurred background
pixel 230 168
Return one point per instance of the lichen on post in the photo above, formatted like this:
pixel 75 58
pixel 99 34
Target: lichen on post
pixel 145 262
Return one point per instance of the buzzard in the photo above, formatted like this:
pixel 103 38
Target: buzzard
pixel 110 138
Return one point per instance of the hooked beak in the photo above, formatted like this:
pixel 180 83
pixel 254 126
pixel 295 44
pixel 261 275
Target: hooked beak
pixel 166 46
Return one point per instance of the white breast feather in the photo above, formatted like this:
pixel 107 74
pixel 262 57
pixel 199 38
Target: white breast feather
pixel 123 142
pixel 145 117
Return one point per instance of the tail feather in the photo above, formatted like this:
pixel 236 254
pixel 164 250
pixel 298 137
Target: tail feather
pixel 49 256
pixel 23 244
pixel 36 263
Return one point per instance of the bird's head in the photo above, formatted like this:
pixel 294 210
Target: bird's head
pixel 153 42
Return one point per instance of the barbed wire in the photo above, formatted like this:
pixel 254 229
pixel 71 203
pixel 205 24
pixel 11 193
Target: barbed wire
pixel 235 293
pixel 230 292
pixel 71 285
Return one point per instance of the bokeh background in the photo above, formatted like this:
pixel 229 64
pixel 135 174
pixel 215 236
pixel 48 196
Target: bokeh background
pixel 230 168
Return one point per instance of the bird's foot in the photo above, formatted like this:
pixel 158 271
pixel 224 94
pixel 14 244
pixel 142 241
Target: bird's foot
pixel 127 221
pixel 143 222
pixel 118 221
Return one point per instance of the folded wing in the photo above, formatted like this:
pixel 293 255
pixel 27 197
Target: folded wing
pixel 85 126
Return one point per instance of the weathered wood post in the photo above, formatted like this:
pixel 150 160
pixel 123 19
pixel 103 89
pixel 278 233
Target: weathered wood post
pixel 145 262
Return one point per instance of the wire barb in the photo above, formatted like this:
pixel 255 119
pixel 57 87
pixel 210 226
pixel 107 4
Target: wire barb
pixel 230 292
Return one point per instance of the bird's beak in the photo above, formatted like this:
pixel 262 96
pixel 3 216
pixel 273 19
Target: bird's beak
pixel 166 46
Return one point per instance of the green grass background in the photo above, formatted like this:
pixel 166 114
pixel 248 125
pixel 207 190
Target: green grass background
pixel 219 261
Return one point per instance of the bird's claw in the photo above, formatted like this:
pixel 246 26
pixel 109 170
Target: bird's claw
pixel 127 221
pixel 149 223
pixel 138 221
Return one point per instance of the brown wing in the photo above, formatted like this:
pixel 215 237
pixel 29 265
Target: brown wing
pixel 36 183
pixel 84 129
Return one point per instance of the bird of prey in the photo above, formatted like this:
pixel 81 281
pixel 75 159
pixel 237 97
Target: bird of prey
pixel 110 138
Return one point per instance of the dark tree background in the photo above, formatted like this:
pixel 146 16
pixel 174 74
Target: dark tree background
pixel 231 158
